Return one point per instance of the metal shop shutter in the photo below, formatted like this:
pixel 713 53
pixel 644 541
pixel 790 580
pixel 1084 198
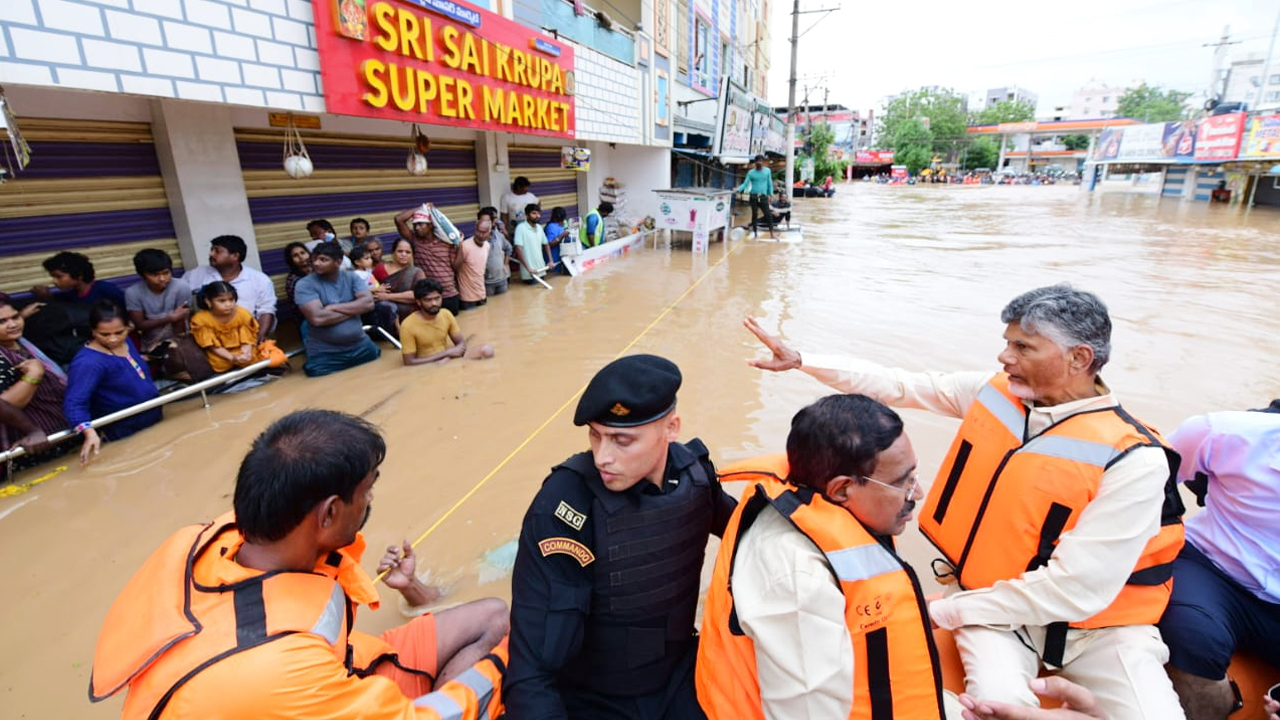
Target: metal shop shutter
pixel 92 187
pixel 355 176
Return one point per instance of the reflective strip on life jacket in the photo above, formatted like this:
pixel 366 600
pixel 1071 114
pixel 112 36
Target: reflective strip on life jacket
pixel 473 695
pixel 1010 413
pixel 862 563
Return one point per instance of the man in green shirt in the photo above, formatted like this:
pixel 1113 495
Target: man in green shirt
pixel 759 184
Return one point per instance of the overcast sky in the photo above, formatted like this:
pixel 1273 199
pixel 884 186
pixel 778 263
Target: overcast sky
pixel 872 48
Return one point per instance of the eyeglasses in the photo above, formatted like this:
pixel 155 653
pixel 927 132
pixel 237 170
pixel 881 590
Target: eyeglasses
pixel 913 481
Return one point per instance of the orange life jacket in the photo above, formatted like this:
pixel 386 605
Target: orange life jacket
pixel 180 613
pixel 1001 501
pixel 896 668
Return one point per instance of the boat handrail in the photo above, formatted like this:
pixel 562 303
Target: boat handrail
pixel 199 387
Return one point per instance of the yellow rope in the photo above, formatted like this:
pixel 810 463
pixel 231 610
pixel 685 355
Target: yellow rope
pixel 559 410
pixel 18 489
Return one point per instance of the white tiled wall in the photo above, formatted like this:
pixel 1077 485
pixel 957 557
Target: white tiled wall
pixel 607 101
pixel 252 52
pixel 259 52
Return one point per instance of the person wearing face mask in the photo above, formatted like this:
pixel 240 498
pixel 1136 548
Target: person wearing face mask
pixel 1056 511
pixel 605 585
pixel 811 613
pixel 322 231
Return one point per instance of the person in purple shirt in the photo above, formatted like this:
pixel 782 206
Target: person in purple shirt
pixel 1226 581
pixel 107 375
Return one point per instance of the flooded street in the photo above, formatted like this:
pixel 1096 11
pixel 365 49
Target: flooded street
pixel 912 276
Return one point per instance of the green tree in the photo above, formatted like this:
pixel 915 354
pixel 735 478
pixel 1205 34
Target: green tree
pixel 982 152
pixel 915 157
pixel 818 144
pixel 939 111
pixel 1152 104
pixel 1005 111
pixel 1076 142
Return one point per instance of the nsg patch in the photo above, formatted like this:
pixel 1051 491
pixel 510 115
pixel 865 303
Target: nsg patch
pixel 571 517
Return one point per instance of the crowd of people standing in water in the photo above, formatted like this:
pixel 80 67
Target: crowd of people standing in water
pixel 85 348
pixel 1070 572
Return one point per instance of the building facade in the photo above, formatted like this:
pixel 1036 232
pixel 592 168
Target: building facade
pixel 162 123
pixel 1247 81
pixel 1097 100
pixel 994 96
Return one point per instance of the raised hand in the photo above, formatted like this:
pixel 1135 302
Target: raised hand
pixel 784 358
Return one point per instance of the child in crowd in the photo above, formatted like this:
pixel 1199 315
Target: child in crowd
pixel 362 262
pixel 74 277
pixel 107 375
pixel 227 332
pixel 384 313
pixel 432 334
pixel 159 305
pixel 359 231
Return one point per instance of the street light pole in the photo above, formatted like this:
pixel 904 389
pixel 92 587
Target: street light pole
pixel 791 99
pixel 1266 67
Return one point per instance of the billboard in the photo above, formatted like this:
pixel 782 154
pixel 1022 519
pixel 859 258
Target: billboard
pixel 734 136
pixel 874 157
pixel 1153 141
pixel 1218 137
pixel 442 62
pixel 1262 137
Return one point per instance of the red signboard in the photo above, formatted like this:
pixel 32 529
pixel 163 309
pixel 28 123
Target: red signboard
pixel 874 157
pixel 443 62
pixel 1218 137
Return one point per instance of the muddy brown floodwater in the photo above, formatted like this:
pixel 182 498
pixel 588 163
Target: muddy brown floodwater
pixel 914 276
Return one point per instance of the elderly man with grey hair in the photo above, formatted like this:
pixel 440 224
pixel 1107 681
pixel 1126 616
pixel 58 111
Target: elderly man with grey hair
pixel 1055 510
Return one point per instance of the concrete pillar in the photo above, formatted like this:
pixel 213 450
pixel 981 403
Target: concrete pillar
pixel 196 146
pixel 493 170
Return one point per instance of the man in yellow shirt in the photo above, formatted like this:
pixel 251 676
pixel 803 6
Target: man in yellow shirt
pixel 432 334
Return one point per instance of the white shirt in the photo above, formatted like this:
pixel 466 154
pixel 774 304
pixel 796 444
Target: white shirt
pixel 790 606
pixel 1092 561
pixel 514 205
pixel 254 290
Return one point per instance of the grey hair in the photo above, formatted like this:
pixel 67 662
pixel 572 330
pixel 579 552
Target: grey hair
pixel 1067 316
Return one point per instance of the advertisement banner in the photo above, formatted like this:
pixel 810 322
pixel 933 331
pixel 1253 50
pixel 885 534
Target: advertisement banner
pixel 1108 145
pixel 1179 141
pixel 734 138
pixel 443 62
pixel 1218 137
pixel 1154 141
pixel 1262 138
pixel 874 157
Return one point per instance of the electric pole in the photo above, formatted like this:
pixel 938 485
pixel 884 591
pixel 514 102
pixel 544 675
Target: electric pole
pixel 1266 67
pixel 791 99
pixel 1219 54
pixel 791 88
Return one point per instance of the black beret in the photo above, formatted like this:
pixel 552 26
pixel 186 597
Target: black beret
pixel 630 391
